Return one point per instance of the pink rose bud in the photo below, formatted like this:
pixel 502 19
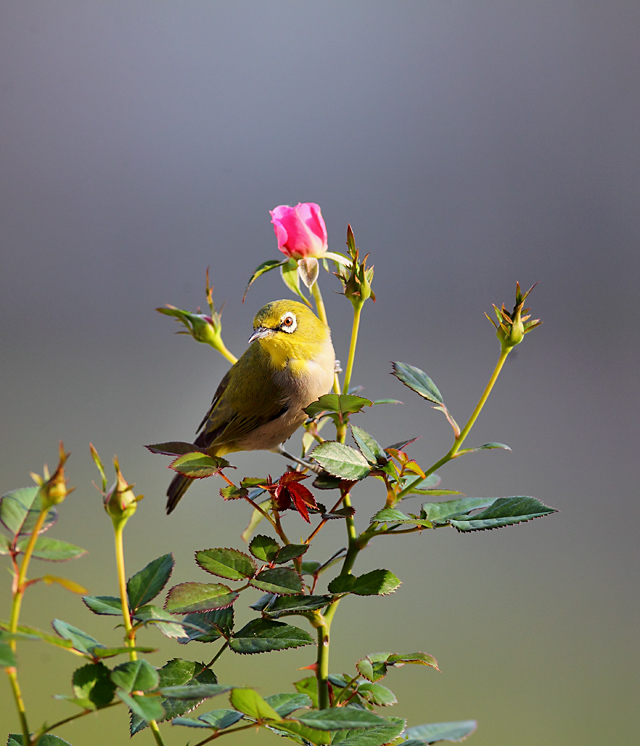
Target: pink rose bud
pixel 300 230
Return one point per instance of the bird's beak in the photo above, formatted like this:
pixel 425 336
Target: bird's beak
pixel 260 333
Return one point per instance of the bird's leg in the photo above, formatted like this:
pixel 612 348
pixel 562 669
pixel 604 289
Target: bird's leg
pixel 307 464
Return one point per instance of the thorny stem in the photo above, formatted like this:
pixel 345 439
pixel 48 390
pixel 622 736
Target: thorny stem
pixel 459 440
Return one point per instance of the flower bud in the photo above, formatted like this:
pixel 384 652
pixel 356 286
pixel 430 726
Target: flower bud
pixel 53 489
pixel 512 326
pixel 357 280
pixel 120 502
pixel 300 230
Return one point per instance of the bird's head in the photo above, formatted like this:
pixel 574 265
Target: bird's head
pixel 288 329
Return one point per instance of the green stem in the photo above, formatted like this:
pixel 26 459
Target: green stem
pixel 357 310
pixel 322 315
pixel 222 349
pixel 322 663
pixel 457 443
pixel 126 615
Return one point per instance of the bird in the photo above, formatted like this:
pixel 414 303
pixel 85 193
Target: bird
pixel 259 404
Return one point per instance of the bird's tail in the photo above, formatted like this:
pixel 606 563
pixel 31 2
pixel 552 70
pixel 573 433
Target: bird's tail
pixel 179 485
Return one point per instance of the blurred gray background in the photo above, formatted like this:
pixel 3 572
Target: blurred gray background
pixel 470 145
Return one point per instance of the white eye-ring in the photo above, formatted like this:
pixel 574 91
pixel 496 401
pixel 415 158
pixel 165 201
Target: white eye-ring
pixel 288 322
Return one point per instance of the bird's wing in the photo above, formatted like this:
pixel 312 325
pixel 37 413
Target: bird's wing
pixel 237 408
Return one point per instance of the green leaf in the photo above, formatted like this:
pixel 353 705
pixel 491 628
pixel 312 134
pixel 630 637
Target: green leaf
pixel 374 666
pixel 301 734
pixel 227 563
pixel 278 606
pixel 100 653
pixel 392 515
pixel 418 381
pixel 19 511
pixel 135 676
pixel 504 511
pixel 289 273
pixel 264 548
pixel 340 405
pixel 369 446
pixel 378 736
pixel 161 619
pixel 188 597
pixel 250 703
pixel 109 605
pixel 341 460
pixel 207 627
pixel 374 583
pixel 216 719
pixel 7 658
pixel 264 635
pixel 52 550
pixel 419 659
pixel 484 447
pixel 198 465
pixel 194 691
pixel 93 685
pixel 48 739
pixel 287 702
pixel 81 641
pixel 264 267
pixel 441 513
pixel 32 633
pixel 145 708
pixel 309 687
pixel 290 552
pixel 422 734
pixel 377 694
pixel 283 581
pixel 174 448
pixel 338 718
pixel 146 584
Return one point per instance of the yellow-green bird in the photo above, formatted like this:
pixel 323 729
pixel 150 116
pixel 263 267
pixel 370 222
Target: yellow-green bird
pixel 259 403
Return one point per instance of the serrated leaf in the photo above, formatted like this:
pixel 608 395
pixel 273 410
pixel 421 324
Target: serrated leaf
pixel 377 694
pixel 393 515
pixel 287 605
pixel 260 270
pixel 193 691
pixel 250 703
pixel 100 653
pixel 215 720
pixel 504 511
pixel 264 635
pixel 109 605
pixel 207 627
pixel 198 465
pixel 92 684
pixel 338 718
pixel 226 563
pixel 283 581
pixel 417 380
pixel 441 513
pixel 419 659
pixel 301 734
pixel 264 548
pixel 341 460
pixel 309 687
pixel 52 550
pixel 378 736
pixel 174 448
pixel 81 641
pixel 369 446
pixel 32 633
pixel 424 734
pixel 189 597
pixel 287 702
pixel 165 622
pixel 145 708
pixel 48 739
pixel 341 405
pixel 19 511
pixel 135 676
pixel 290 552
pixel 145 585
pixel 374 583
pixel 484 447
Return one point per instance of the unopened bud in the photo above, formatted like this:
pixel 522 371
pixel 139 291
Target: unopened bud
pixel 512 326
pixel 53 489
pixel 120 502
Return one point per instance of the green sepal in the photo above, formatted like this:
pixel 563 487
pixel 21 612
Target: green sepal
pixel 341 461
pixel 425 734
pixel 192 597
pixel 374 583
pixel 146 584
pixel 226 563
pixel 265 635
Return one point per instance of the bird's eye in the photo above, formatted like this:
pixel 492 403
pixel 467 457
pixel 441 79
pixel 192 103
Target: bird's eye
pixel 288 323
